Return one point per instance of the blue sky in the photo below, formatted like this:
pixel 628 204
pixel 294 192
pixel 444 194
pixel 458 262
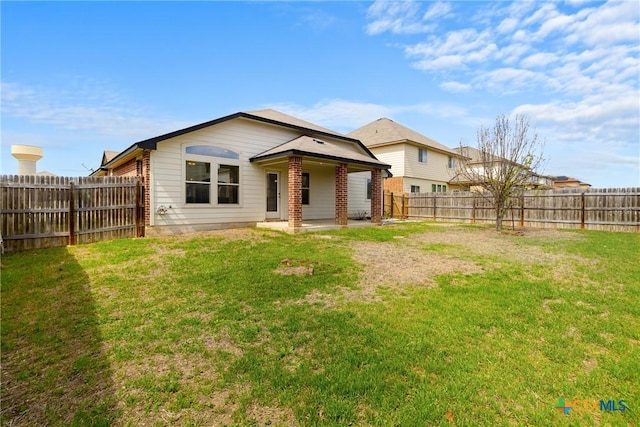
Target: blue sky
pixel 79 78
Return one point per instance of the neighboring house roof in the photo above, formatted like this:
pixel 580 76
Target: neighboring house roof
pixel 566 181
pixel 385 131
pixel 268 116
pixel 321 149
pixel 107 156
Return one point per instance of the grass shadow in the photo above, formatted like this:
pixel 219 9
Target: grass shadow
pixel 54 370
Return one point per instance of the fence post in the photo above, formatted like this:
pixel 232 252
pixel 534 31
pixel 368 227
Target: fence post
pixel 434 206
pixel 402 214
pixel 473 208
pixel 72 215
pixel 392 202
pixel 522 210
pixel 582 211
pixel 138 217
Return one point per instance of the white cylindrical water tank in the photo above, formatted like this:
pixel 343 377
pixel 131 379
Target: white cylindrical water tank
pixel 27 156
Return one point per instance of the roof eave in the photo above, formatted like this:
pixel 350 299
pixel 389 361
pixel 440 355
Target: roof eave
pixel 294 152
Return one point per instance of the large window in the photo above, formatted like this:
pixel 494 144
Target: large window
pixel 305 188
pixel 368 188
pixel 422 155
pixel 203 177
pixel 439 188
pixel 198 182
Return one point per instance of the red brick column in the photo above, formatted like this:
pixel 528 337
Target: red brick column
pixel 146 173
pixel 376 196
pixel 341 194
pixel 295 192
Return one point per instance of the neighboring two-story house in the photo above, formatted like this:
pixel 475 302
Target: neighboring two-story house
pixel 419 164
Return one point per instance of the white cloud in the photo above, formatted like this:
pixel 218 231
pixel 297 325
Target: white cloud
pixel 403 17
pixel 574 66
pixel 452 86
pixel 539 60
pixel 437 10
pixel 458 48
pixel 88 106
pixel 507 26
pixel 613 22
pixel 345 116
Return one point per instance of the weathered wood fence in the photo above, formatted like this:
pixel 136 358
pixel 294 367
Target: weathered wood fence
pixel 611 209
pixel 47 211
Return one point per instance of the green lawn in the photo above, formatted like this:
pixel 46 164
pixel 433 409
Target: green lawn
pixel 411 324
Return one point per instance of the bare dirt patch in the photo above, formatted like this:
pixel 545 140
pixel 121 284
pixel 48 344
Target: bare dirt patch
pixel 400 265
pixel 244 234
pixel 408 261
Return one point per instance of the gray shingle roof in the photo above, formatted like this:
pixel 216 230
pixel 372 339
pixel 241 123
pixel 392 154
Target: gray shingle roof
pixel 385 131
pixel 323 149
pixel 271 114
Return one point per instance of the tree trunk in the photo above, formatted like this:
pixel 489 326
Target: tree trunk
pixel 499 218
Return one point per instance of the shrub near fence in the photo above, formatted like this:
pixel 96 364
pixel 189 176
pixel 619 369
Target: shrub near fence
pixel 610 209
pixel 46 211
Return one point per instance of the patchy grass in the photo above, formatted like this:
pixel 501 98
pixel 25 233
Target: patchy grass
pixel 411 324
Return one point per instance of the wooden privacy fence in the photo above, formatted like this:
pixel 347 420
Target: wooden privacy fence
pixel 46 211
pixel 611 209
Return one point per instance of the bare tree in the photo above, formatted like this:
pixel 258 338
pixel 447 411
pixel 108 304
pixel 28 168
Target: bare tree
pixel 504 163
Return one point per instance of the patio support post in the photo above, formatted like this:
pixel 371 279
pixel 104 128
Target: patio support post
pixel 376 196
pixel 295 193
pixel 341 194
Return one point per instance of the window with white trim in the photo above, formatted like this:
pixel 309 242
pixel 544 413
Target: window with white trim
pixel 207 169
pixel 368 188
pixel 198 186
pixel 415 188
pixel 228 184
pixel 422 155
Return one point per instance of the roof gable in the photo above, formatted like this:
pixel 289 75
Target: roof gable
pixel 384 131
pixel 323 149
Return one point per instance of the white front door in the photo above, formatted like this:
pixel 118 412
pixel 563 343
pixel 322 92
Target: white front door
pixel 273 195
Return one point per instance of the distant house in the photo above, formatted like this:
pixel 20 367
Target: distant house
pixel 569 182
pixel 419 164
pixel 474 157
pixel 247 168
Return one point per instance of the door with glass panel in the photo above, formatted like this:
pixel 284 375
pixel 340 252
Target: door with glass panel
pixel 273 195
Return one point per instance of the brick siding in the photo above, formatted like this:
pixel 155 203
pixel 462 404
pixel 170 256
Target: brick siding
pixel 342 201
pixel 295 192
pixel 376 196
pixel 127 169
pixel 146 173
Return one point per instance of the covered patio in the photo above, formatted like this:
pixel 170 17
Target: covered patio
pixel 332 159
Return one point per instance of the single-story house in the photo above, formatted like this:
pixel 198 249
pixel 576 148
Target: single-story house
pixel 247 168
pixel 419 164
